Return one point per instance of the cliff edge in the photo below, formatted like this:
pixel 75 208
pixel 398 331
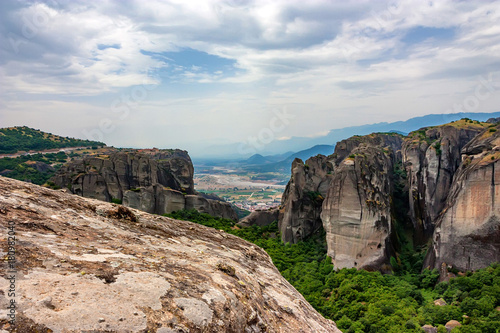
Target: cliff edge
pixel 88 265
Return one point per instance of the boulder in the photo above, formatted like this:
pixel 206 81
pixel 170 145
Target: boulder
pixel 211 207
pixel 429 329
pixel 451 325
pixel 89 265
pixel 440 302
pixel 260 218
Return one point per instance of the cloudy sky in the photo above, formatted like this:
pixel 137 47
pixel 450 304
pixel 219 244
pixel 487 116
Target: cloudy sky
pixel 190 74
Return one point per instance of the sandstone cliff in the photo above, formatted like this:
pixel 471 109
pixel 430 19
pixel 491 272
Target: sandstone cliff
pixel 349 195
pixel 356 212
pixel 467 234
pixel 431 157
pixel 157 182
pixel 300 210
pixel 88 265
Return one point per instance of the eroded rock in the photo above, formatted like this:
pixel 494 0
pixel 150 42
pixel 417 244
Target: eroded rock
pixel 467 234
pixel 84 266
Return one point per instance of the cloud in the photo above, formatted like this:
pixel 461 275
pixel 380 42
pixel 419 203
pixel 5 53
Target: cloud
pixel 219 67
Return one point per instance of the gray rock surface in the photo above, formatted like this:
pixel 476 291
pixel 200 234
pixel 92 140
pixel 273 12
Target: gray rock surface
pixel 300 210
pixel 356 212
pixel 431 157
pixel 89 265
pixel 156 181
pixel 260 218
pixel 467 234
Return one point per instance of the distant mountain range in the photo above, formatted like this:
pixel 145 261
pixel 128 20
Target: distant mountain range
pixel 279 163
pixel 335 135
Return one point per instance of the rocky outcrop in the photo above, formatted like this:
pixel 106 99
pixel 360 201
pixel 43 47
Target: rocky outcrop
pixel 300 210
pixel 107 177
pixel 88 265
pixel 431 157
pixel 156 181
pixel 356 212
pixel 260 218
pixel 211 207
pixel 349 195
pixel 467 234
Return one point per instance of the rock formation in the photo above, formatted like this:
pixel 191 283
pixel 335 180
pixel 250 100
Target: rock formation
pixel 348 194
pixel 156 181
pixel 431 157
pixel 356 212
pixel 467 234
pixel 299 215
pixel 88 265
pixel 260 218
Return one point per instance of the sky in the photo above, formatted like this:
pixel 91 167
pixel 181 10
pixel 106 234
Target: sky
pixel 192 74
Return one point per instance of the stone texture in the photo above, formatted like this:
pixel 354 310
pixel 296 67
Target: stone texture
pixel 451 325
pixel 429 329
pixel 467 234
pixel 211 207
pixel 431 157
pixel 156 181
pixel 260 218
pixel 356 212
pixel 300 210
pixel 88 265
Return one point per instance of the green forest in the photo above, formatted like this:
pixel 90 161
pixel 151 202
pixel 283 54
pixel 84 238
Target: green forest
pixel 15 139
pixel 361 301
pixel 36 168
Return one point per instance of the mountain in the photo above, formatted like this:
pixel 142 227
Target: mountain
pixel 283 166
pixel 378 193
pixel 240 150
pixel 257 159
pixel 16 139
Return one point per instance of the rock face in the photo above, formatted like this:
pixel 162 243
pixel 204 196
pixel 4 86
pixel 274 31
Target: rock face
pixel 299 215
pixel 431 157
pixel 88 265
pixel 467 234
pixel 260 218
pixel 356 212
pixel 159 181
pixel 348 194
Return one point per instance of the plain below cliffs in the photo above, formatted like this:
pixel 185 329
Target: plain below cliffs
pixel 85 265
pixel 467 233
pixel 159 181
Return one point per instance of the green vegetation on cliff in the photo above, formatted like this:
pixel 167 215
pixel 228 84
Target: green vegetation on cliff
pixel 15 139
pixel 36 168
pixel 361 301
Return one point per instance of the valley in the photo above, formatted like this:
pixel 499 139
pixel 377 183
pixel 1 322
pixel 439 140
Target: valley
pixel 246 190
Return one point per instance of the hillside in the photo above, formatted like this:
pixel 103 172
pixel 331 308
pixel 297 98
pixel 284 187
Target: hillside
pixel 18 139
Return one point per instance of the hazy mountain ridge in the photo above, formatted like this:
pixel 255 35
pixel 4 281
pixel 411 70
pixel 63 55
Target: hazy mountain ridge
pixel 335 135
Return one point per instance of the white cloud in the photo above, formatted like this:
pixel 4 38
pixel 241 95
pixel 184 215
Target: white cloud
pixel 335 63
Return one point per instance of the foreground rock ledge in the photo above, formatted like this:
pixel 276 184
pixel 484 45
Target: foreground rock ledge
pixel 87 265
